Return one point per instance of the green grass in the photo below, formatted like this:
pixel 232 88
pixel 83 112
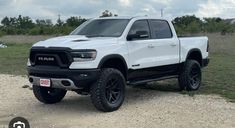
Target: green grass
pixel 13 59
pixel 219 76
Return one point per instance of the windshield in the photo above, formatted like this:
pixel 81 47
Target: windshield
pixel 102 28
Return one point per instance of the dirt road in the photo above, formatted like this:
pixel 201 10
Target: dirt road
pixel 142 108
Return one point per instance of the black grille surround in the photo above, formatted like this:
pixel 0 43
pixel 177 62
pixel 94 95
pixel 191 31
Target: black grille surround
pixel 51 56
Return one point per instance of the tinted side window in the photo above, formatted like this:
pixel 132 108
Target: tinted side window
pixel 140 25
pixel 160 29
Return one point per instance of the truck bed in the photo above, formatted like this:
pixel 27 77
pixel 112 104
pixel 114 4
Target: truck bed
pixel 188 43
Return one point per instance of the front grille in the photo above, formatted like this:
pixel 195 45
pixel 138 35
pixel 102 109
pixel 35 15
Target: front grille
pixel 43 56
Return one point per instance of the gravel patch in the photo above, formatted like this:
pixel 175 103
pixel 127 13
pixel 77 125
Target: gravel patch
pixel 142 108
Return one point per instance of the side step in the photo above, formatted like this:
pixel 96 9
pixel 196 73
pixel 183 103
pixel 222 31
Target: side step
pixel 136 82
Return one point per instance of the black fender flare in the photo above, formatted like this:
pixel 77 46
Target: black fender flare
pixel 112 56
pixel 194 50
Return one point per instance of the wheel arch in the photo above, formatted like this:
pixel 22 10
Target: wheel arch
pixel 195 54
pixel 114 61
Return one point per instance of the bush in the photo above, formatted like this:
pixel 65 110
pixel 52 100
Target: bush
pixel 2 33
pixel 35 31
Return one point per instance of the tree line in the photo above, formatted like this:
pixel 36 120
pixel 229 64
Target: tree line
pixel 24 25
pixel 192 25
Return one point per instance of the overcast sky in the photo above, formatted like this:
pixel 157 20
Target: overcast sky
pixel 49 9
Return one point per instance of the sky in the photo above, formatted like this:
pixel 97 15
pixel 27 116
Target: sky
pixel 50 9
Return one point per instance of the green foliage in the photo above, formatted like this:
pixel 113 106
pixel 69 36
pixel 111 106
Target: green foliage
pixel 75 21
pixel 107 13
pixel 184 25
pixel 192 24
pixel 2 33
pixel 25 26
pixel 14 58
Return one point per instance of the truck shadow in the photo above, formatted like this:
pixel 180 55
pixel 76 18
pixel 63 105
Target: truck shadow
pixel 165 86
pixel 134 95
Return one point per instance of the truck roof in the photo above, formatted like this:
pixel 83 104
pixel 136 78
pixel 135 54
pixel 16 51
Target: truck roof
pixel 133 17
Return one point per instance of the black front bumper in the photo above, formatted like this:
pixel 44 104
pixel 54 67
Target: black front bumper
pixel 82 78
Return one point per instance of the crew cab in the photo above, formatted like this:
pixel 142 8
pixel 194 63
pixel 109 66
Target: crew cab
pixel 103 55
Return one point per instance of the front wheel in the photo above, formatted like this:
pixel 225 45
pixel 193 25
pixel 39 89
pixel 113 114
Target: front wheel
pixel 48 95
pixel 108 93
pixel 190 76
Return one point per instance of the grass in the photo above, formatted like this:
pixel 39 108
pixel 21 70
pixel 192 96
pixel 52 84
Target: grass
pixel 23 39
pixel 218 77
pixel 13 59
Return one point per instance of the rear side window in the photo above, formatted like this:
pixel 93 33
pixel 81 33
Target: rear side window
pixel 160 29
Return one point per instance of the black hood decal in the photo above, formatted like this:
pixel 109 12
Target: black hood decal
pixel 80 40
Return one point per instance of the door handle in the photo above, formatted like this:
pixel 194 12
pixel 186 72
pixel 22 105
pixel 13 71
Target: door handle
pixel 173 44
pixel 151 46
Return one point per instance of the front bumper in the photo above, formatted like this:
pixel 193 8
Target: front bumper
pixel 78 79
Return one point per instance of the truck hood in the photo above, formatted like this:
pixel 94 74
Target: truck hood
pixel 76 42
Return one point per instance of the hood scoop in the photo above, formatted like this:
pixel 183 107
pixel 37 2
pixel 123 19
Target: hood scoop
pixel 80 40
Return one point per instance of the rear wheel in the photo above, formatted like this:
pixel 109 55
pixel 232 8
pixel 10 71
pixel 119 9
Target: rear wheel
pixel 190 77
pixel 48 95
pixel 108 93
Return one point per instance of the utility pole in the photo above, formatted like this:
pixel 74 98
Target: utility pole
pixel 59 17
pixel 59 22
pixel 162 12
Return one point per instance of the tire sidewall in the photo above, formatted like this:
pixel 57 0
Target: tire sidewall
pixel 184 79
pixel 122 95
pixel 98 90
pixel 41 94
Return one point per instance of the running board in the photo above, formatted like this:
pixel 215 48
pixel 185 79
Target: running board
pixel 150 80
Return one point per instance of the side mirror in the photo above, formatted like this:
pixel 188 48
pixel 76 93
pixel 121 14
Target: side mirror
pixel 138 35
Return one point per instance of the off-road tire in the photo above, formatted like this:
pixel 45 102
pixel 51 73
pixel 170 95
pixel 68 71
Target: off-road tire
pixel 48 95
pixel 104 88
pixel 190 76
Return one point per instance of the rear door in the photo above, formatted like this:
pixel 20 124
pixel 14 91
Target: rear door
pixel 165 45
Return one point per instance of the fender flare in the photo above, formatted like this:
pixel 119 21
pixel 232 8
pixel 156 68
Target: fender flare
pixel 112 56
pixel 194 50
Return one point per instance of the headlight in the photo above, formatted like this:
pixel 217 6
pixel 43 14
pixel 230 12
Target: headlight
pixel 84 55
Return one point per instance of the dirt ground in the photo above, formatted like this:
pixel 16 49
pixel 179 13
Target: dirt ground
pixel 142 108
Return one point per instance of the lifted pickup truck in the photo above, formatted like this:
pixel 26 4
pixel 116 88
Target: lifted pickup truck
pixel 102 55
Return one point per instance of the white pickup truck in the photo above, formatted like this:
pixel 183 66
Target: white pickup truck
pixel 103 55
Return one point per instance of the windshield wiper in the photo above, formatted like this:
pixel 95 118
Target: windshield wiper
pixel 94 35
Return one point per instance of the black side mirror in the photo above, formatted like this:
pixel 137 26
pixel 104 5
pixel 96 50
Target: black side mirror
pixel 138 35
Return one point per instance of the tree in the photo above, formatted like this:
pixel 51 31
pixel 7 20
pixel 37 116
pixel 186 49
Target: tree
pixel 74 21
pixel 107 13
pixel 59 22
pixel 194 27
pixel 25 22
pixel 188 24
pixel 49 22
pixel 5 21
pixel 184 21
pixel 214 24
